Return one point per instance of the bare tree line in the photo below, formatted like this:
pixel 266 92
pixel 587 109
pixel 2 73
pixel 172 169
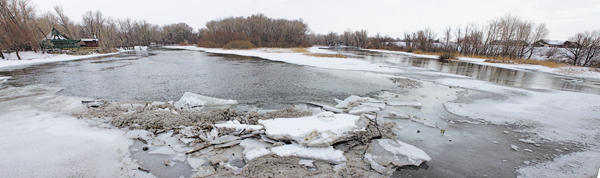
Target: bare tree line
pixel 259 29
pixel 22 28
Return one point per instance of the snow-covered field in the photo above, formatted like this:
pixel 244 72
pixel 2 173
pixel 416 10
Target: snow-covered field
pixel 31 58
pixel 544 116
pixel 40 141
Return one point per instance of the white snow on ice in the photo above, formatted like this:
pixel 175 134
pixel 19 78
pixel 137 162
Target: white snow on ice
pixel 311 130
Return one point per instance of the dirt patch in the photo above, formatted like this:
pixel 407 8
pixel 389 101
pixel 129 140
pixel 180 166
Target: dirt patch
pixel 151 120
pixel 276 166
pixel 291 112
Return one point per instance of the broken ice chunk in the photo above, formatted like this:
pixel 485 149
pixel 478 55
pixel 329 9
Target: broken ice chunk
pixel 195 163
pixel 312 130
pixel 527 141
pixel 224 139
pixel 380 105
pixel 327 107
pixel 397 102
pixel 363 109
pixel 353 98
pixel 254 149
pixel 514 147
pixel 169 163
pixel 179 157
pixel 205 171
pixel 191 100
pixel 388 153
pixel 321 153
pixel 238 126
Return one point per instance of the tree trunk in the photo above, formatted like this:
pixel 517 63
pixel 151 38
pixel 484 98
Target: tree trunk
pixel 19 57
pixel 2 55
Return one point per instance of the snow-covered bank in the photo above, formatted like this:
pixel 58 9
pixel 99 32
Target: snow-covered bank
pixel 31 58
pixel 300 59
pixel 574 71
pixel 37 142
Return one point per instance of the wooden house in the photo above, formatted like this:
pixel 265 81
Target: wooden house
pixel 554 43
pixel 90 42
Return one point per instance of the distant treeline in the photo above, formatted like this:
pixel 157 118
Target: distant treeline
pixel 507 38
pixel 257 29
pixel 23 28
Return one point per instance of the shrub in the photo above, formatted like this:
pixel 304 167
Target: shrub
pixel 447 56
pixel 239 45
pixel 208 44
pixel 183 44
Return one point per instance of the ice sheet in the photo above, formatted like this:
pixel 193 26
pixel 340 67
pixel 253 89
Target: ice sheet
pixel 321 153
pixel 311 130
pixel 190 100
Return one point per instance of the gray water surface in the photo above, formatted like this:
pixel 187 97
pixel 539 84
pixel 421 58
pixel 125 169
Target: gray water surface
pixel 164 75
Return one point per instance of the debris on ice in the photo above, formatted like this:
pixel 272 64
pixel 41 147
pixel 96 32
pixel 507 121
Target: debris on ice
pixel 388 152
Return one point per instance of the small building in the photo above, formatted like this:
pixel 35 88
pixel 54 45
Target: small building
pixel 554 43
pixel 89 42
pixel 60 41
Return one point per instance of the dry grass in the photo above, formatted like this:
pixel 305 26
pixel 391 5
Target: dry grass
pixel 506 60
pixel 325 55
pixel 499 59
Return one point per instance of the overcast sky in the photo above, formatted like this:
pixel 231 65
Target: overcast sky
pixel 563 18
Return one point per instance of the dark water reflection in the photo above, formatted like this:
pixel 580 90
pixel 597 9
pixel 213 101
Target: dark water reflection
pixel 518 78
pixel 164 75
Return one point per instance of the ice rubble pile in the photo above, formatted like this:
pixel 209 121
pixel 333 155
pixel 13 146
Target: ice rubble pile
pixel 232 140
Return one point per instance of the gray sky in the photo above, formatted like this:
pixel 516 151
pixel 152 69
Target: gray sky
pixel 563 18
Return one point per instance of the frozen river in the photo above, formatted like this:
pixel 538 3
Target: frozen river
pixel 468 148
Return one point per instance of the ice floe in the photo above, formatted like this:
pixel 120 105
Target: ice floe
pixel 192 100
pixel 311 130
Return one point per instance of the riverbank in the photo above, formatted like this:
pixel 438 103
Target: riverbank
pixel 572 71
pixel 32 58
